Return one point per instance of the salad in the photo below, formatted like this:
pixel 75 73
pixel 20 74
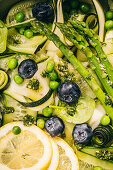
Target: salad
pixel 56 85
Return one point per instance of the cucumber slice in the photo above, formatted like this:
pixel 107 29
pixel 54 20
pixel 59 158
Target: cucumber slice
pixel 19 110
pixel 92 150
pixel 88 162
pixel 3 37
pixel 19 43
pixel 25 7
pixel 84 110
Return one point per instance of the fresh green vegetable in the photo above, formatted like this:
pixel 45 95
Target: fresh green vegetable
pixel 53 75
pixel 94 41
pixel 53 85
pixel 41 123
pixel 38 102
pixel 84 7
pixel 33 84
pixel 43 29
pixel 18 79
pixel 14 111
pixel 90 161
pixel 3 37
pixel 50 66
pixel 103 136
pixel 97 168
pixel 16 130
pixel 28 33
pixel 77 114
pixel 47 111
pixel 3 79
pixel 22 30
pixel 104 155
pixel 105 120
pixel 92 150
pixel 12 63
pixel 20 17
pixel 28 120
pixel 80 42
pixel 109 15
pixel 19 43
pixel 109 24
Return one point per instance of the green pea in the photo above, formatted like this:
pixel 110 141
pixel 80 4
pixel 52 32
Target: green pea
pixel 50 66
pixel 47 111
pixel 16 130
pixel 53 75
pixel 105 120
pixel 73 11
pixel 97 168
pixel 22 30
pixel 109 15
pixel 53 85
pixel 109 24
pixel 18 79
pixel 41 123
pixel 12 63
pixel 74 4
pixel 28 33
pixel 20 17
pixel 84 7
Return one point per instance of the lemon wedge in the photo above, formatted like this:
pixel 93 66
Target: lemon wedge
pixel 31 149
pixel 68 159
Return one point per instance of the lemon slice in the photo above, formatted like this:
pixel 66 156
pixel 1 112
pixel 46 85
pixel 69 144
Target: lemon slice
pixel 55 157
pixel 68 159
pixel 31 149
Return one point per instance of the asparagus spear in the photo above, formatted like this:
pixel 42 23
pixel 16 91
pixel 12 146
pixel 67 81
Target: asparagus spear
pixel 43 29
pixel 73 36
pixel 94 41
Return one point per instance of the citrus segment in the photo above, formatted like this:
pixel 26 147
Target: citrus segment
pixel 30 149
pixel 68 160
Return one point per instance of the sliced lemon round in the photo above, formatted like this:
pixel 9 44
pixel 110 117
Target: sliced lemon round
pixel 31 149
pixel 68 159
pixel 55 157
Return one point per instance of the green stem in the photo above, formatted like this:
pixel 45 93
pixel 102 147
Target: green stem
pixel 94 41
pixel 43 29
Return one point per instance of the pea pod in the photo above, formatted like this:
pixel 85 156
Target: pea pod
pixel 3 79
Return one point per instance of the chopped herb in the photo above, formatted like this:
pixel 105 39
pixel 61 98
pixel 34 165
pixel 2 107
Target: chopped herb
pixel 33 84
pixel 104 155
pixel 28 120
pixel 71 110
pixel 44 74
pixel 6 110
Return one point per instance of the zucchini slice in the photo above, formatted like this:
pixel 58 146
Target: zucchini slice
pixel 26 8
pixel 88 162
pixel 39 102
pixel 19 43
pixel 92 150
pixel 19 110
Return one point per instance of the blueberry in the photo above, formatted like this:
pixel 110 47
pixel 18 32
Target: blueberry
pixel 68 92
pixel 27 68
pixel 82 133
pixel 54 126
pixel 43 11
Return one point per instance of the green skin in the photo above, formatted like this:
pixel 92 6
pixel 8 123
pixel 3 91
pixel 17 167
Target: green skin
pixel 82 44
pixel 94 41
pixel 43 29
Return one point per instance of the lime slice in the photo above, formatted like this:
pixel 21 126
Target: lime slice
pixel 3 37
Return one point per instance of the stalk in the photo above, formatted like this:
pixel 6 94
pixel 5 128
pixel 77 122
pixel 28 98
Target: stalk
pixel 80 42
pixel 94 41
pixel 43 29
